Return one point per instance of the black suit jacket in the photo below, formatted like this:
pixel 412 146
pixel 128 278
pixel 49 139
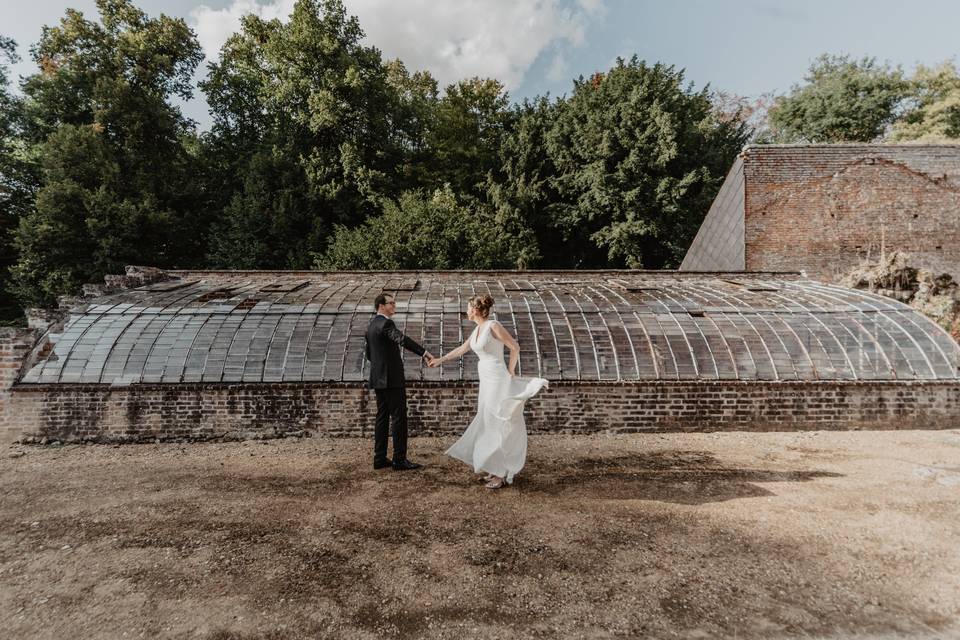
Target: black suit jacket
pixel 383 351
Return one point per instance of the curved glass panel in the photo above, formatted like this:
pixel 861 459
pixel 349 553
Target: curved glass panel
pixel 588 326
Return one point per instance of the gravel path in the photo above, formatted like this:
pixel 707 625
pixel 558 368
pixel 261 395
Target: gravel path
pixel 746 535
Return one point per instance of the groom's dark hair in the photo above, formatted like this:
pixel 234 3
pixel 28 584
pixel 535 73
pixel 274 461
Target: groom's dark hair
pixel 380 300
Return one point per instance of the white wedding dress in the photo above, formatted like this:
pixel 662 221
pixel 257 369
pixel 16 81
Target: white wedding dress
pixel 496 440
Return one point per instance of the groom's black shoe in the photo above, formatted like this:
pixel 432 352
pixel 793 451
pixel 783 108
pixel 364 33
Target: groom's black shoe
pixel 405 465
pixel 382 464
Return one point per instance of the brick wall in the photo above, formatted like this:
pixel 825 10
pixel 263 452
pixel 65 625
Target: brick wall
pixel 824 208
pixel 15 345
pixel 194 411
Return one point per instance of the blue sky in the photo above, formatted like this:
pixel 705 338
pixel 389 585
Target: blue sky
pixel 747 47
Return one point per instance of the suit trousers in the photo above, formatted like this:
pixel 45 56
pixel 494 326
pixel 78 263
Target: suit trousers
pixel 391 408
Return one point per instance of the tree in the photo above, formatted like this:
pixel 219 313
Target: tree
pixel 471 121
pixel 414 119
pixel 269 222
pixel 117 183
pixel 753 112
pixel 843 100
pixel 935 114
pixel 56 249
pixel 17 177
pixel 522 190
pixel 638 157
pixel 12 170
pixel 419 232
pixel 307 99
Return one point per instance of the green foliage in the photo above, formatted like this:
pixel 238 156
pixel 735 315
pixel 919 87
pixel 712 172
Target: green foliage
pixel 270 221
pixel 17 177
pixel 470 123
pixel 57 253
pixel 12 175
pixel 117 185
pixel 843 100
pixel 638 157
pixel 416 96
pixel 309 95
pixel 935 116
pixel 523 190
pixel 118 73
pixel 419 232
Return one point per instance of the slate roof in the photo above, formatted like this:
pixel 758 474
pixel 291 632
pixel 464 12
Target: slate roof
pixel 608 326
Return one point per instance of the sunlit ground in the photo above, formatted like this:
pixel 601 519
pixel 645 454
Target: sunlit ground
pixel 748 535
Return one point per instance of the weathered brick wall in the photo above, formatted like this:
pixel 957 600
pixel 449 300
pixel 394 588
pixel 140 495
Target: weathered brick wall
pixel 15 345
pixel 824 208
pixel 194 411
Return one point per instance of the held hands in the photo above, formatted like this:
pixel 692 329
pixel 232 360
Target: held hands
pixel 434 362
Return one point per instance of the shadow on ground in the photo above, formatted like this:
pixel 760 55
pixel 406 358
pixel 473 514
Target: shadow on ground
pixel 674 476
pixel 681 477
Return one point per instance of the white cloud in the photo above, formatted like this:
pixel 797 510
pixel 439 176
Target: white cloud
pixel 559 69
pixel 592 6
pixel 214 26
pixel 453 40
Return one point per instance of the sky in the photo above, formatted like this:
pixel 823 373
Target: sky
pixel 744 47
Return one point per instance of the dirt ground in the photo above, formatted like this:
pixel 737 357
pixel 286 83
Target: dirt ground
pixel 736 535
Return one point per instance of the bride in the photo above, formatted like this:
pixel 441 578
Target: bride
pixel 495 443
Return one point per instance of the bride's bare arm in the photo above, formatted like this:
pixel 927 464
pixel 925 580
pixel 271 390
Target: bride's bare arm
pixel 456 353
pixel 504 336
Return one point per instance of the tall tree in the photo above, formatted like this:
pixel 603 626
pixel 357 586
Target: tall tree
pixel 638 157
pixel 102 100
pixel 843 100
pixel 57 250
pixel 472 119
pixel 414 119
pixel 17 177
pixel 935 113
pixel 523 189
pixel 314 111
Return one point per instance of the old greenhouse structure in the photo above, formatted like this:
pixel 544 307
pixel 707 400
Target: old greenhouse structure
pixel 236 354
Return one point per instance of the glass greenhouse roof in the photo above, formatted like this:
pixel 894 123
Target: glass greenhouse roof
pixel 228 327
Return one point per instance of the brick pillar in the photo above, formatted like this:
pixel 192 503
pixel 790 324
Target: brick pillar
pixel 15 346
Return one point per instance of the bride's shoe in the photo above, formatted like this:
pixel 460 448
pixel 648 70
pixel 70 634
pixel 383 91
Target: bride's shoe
pixel 495 483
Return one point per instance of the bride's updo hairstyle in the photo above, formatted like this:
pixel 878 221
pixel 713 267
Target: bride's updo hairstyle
pixel 482 303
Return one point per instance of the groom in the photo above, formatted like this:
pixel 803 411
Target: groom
pixel 386 379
